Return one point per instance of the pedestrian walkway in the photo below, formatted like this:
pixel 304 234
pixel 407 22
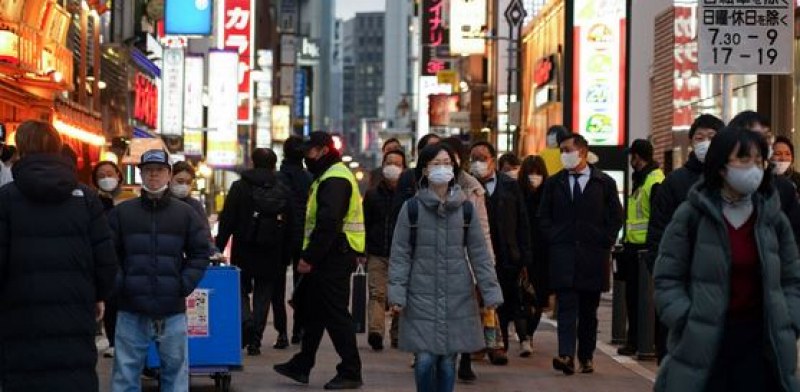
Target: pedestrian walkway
pixel 390 370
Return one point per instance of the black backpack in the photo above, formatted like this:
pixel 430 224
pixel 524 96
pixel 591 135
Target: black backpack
pixel 270 205
pixel 412 208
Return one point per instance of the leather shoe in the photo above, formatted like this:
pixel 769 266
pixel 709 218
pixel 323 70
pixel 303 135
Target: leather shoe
pixel 287 370
pixel 375 341
pixel 587 366
pixel 564 364
pixel 498 357
pixel 340 382
pixel 282 343
pixel 627 351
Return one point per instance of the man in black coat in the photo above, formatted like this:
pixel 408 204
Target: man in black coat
pixel 164 251
pixel 334 239
pixel 667 196
pixel 376 175
pixel 581 216
pixel 260 241
pixel 298 180
pixel 57 265
pixel 508 226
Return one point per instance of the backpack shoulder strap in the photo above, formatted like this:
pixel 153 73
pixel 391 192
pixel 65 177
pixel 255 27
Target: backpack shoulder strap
pixel 412 208
pixel 467 209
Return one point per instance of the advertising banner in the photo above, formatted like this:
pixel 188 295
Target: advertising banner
pixel 238 31
pixel 172 90
pixel 435 37
pixel 193 105
pixel 222 124
pixel 187 17
pixel 467 20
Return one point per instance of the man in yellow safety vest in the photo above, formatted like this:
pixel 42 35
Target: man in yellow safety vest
pixel 646 175
pixel 334 238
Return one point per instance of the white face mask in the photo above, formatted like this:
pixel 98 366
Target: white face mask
pixel 781 167
pixel 552 141
pixel 744 180
pixel 392 172
pixel 180 191
pixel 513 174
pixel 155 192
pixel 570 160
pixel 479 169
pixel 536 180
pixel 108 184
pixel 701 149
pixel 440 174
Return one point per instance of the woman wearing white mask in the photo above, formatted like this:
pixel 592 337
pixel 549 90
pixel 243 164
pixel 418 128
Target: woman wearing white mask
pixel 381 205
pixel 180 187
pixel 783 160
pixel 727 278
pixel 532 176
pixel 430 276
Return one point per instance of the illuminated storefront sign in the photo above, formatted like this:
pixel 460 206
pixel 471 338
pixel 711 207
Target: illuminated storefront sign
pixel 435 37
pixel 281 122
pixel 237 34
pixel 686 89
pixel 172 88
pixel 188 17
pixel 145 107
pixel 467 20
pixel 440 107
pixel 428 85
pixel 598 95
pixel 193 106
pixel 222 92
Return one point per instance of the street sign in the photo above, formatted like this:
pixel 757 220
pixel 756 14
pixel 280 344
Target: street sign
pixel 458 120
pixel 746 36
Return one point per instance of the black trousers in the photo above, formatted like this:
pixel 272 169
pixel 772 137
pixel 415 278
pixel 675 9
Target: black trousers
pixel 630 274
pixel 324 298
pixel 542 302
pixel 297 321
pixel 512 309
pixel 110 320
pixel 742 362
pixel 279 303
pixel 254 316
pixel 577 317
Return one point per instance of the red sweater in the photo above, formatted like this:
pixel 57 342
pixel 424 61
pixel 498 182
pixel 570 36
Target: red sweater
pixel 746 285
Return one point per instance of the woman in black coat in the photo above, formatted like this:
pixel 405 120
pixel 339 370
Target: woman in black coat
pixel 57 266
pixel 532 176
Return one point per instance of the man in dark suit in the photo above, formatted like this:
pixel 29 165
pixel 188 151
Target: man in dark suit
pixel 581 216
pixel 508 226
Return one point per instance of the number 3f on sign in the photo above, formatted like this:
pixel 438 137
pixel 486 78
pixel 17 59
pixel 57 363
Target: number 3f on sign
pixel 746 36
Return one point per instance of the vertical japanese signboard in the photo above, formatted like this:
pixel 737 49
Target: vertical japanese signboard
pixel 281 122
pixel 237 34
pixel 428 85
pixel 172 89
pixel 435 37
pixel 467 20
pixel 193 106
pixel 598 94
pixel 686 87
pixel 222 92
pixel 746 36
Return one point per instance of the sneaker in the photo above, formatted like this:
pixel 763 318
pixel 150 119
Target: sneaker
pixel 587 366
pixel 525 349
pixel 282 343
pixel 109 352
pixel 498 357
pixel 565 364
pixel 288 370
pixel 341 382
pixel 375 341
pixel 627 351
pixel 253 351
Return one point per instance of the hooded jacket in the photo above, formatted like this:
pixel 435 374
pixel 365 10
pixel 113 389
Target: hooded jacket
pixel 435 286
pixel 56 261
pixel 692 288
pixel 236 221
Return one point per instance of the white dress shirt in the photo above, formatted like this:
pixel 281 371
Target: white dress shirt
pixel 582 180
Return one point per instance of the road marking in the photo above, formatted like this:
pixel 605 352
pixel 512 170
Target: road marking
pixel 627 362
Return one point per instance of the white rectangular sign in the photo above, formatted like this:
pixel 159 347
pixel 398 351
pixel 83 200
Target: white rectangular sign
pixel 194 71
pixel 459 120
pixel 746 36
pixel 287 81
pixel 222 118
pixel 172 92
pixel 467 20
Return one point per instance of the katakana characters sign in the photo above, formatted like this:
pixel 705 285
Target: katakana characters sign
pixel 686 88
pixel 237 34
pixel 435 37
pixel 746 36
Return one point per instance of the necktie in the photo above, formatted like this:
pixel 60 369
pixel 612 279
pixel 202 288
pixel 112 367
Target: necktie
pixel 576 188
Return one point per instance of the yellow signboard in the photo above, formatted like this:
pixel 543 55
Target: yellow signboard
pixel 448 76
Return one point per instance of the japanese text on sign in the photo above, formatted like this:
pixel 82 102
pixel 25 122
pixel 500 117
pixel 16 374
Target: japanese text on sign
pixel 435 37
pixel 238 35
pixel 746 36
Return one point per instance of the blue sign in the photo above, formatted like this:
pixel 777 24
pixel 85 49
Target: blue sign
pixel 187 17
pixel 299 93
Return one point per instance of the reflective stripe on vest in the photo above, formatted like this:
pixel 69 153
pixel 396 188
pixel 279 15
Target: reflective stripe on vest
pixel 639 209
pixel 353 225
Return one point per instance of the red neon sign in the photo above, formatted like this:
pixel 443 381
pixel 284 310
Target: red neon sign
pixel 237 35
pixel 434 37
pixel 145 107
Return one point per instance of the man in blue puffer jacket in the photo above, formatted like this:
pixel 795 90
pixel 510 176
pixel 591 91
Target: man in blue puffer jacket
pixel 164 250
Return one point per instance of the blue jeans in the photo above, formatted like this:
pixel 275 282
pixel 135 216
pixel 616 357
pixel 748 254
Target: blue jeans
pixel 134 334
pixel 435 373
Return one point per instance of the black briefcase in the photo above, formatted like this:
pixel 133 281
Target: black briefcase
pixel 358 299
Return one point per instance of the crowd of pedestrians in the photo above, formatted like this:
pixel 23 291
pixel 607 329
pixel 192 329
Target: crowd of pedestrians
pixel 460 249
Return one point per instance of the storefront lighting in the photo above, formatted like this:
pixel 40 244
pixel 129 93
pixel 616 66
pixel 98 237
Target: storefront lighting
pixel 109 156
pixel 102 85
pixel 57 76
pixel 347 159
pixel 205 170
pixel 78 133
pixel 359 175
pixel 354 165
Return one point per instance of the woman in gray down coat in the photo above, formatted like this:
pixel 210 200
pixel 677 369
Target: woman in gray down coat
pixel 430 278
pixel 727 278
